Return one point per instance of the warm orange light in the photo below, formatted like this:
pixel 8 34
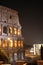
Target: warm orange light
pixel 0 43
pixel 19 32
pixel 10 30
pixel 15 31
pixel 14 28
pixel 18 43
pixel 21 43
pixel 8 38
pixel 10 43
pixel 0 29
pixel 4 43
pixel 15 43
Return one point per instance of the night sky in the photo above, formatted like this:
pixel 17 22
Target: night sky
pixel 30 17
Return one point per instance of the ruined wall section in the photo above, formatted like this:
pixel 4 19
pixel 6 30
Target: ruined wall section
pixel 9 15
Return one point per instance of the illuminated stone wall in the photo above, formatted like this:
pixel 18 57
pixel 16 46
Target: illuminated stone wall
pixel 11 39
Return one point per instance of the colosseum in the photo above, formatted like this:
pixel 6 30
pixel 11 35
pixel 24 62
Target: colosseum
pixel 11 39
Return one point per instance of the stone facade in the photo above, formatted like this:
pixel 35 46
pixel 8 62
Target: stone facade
pixel 11 40
pixel 9 15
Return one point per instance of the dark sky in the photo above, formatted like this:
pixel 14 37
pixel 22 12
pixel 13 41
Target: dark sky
pixel 30 17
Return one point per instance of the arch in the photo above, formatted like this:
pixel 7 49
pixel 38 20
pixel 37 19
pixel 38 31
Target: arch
pixel 4 56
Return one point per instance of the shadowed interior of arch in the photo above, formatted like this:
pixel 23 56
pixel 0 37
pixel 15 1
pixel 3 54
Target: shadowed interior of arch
pixel 4 56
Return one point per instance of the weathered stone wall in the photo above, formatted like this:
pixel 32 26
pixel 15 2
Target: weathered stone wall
pixel 9 15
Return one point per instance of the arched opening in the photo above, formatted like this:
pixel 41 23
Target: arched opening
pixel 4 56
